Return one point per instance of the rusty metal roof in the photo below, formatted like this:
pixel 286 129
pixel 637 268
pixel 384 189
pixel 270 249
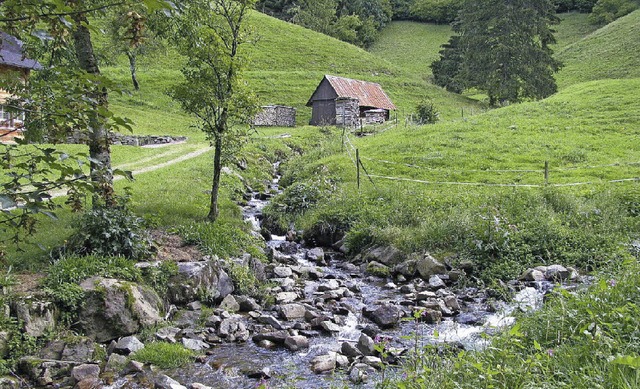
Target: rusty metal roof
pixel 369 94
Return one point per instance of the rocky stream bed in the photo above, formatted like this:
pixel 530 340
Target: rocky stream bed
pixel 326 315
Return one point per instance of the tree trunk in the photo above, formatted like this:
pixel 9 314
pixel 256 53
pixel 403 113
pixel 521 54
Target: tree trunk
pixel 101 173
pixel 132 66
pixel 214 210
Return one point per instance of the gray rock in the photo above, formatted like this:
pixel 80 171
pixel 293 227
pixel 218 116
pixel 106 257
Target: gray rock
pixel 166 382
pixel 341 361
pixel 350 350
pixel 282 271
pixel 316 255
pixel 116 362
pixel 428 266
pixel 425 295
pixel 4 344
pixel 197 385
pixel 247 304
pixel 230 304
pixel 286 297
pixel 133 367
pixel 277 337
pixel 329 285
pixel 372 361
pixel 37 317
pixel 128 345
pixel 116 308
pixel 194 306
pixel 323 363
pixel 360 372
pixel 195 279
pixel 270 320
pixel 233 329
pixel 377 269
pixel 291 311
pixel 330 327
pixel 388 256
pixel 436 283
pixel 532 275
pixel 385 316
pixel 406 268
pixel 194 344
pixel 431 316
pixel 186 319
pixel 168 334
pixel 452 303
pixel 257 268
pixel 366 345
pixel 296 343
pixel 557 273
pixel 80 349
pixel 83 372
pixel 9 383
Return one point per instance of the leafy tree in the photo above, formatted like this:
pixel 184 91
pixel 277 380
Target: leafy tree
pixel 210 34
pixel 129 34
pixel 317 15
pixel 606 11
pixel 69 96
pixel 401 9
pixel 436 11
pixel 504 49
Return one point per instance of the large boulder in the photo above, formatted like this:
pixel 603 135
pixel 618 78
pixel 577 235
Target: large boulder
pixel 428 266
pixel 116 308
pixel 386 255
pixel 197 279
pixel 385 316
pixel 37 317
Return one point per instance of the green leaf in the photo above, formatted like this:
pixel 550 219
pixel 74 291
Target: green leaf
pixel 627 360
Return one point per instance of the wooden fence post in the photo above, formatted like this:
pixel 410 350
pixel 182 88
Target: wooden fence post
pixel 546 172
pixel 358 167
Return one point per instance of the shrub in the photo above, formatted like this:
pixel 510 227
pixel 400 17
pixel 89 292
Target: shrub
pixel 426 112
pixel 436 11
pixel 164 355
pixel 110 231
pixel 606 11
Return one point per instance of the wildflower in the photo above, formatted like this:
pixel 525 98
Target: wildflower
pixel 550 352
pixel 612 283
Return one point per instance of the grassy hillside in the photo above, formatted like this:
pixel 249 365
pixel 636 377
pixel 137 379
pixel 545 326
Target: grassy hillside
pixel 610 52
pixel 411 45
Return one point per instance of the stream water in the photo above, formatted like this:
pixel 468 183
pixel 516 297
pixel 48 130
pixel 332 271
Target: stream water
pixel 228 366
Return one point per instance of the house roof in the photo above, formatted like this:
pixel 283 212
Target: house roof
pixel 369 94
pixel 11 53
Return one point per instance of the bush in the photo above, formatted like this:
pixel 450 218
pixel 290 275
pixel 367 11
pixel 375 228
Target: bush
pixel 427 113
pixel 164 355
pixel 113 231
pixel 606 11
pixel 436 11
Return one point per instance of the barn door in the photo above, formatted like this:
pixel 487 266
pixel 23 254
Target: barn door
pixel 324 112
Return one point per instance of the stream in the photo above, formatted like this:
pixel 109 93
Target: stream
pixel 320 332
pixel 231 365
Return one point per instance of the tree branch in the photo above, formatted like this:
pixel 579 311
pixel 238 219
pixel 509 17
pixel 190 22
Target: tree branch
pixel 59 14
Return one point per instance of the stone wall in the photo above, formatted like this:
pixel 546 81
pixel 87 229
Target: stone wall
pixel 129 140
pixel 275 116
pixel 375 116
pixel 347 112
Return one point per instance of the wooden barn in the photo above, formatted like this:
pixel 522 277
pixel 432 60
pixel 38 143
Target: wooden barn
pixel 13 63
pixel 343 101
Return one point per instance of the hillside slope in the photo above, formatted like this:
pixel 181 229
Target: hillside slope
pixel 611 52
pixel 286 64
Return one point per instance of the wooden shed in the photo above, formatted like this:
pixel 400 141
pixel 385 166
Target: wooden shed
pixel 13 63
pixel 343 101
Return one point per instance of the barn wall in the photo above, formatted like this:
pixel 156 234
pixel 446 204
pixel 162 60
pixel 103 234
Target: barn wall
pixel 324 113
pixel 347 112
